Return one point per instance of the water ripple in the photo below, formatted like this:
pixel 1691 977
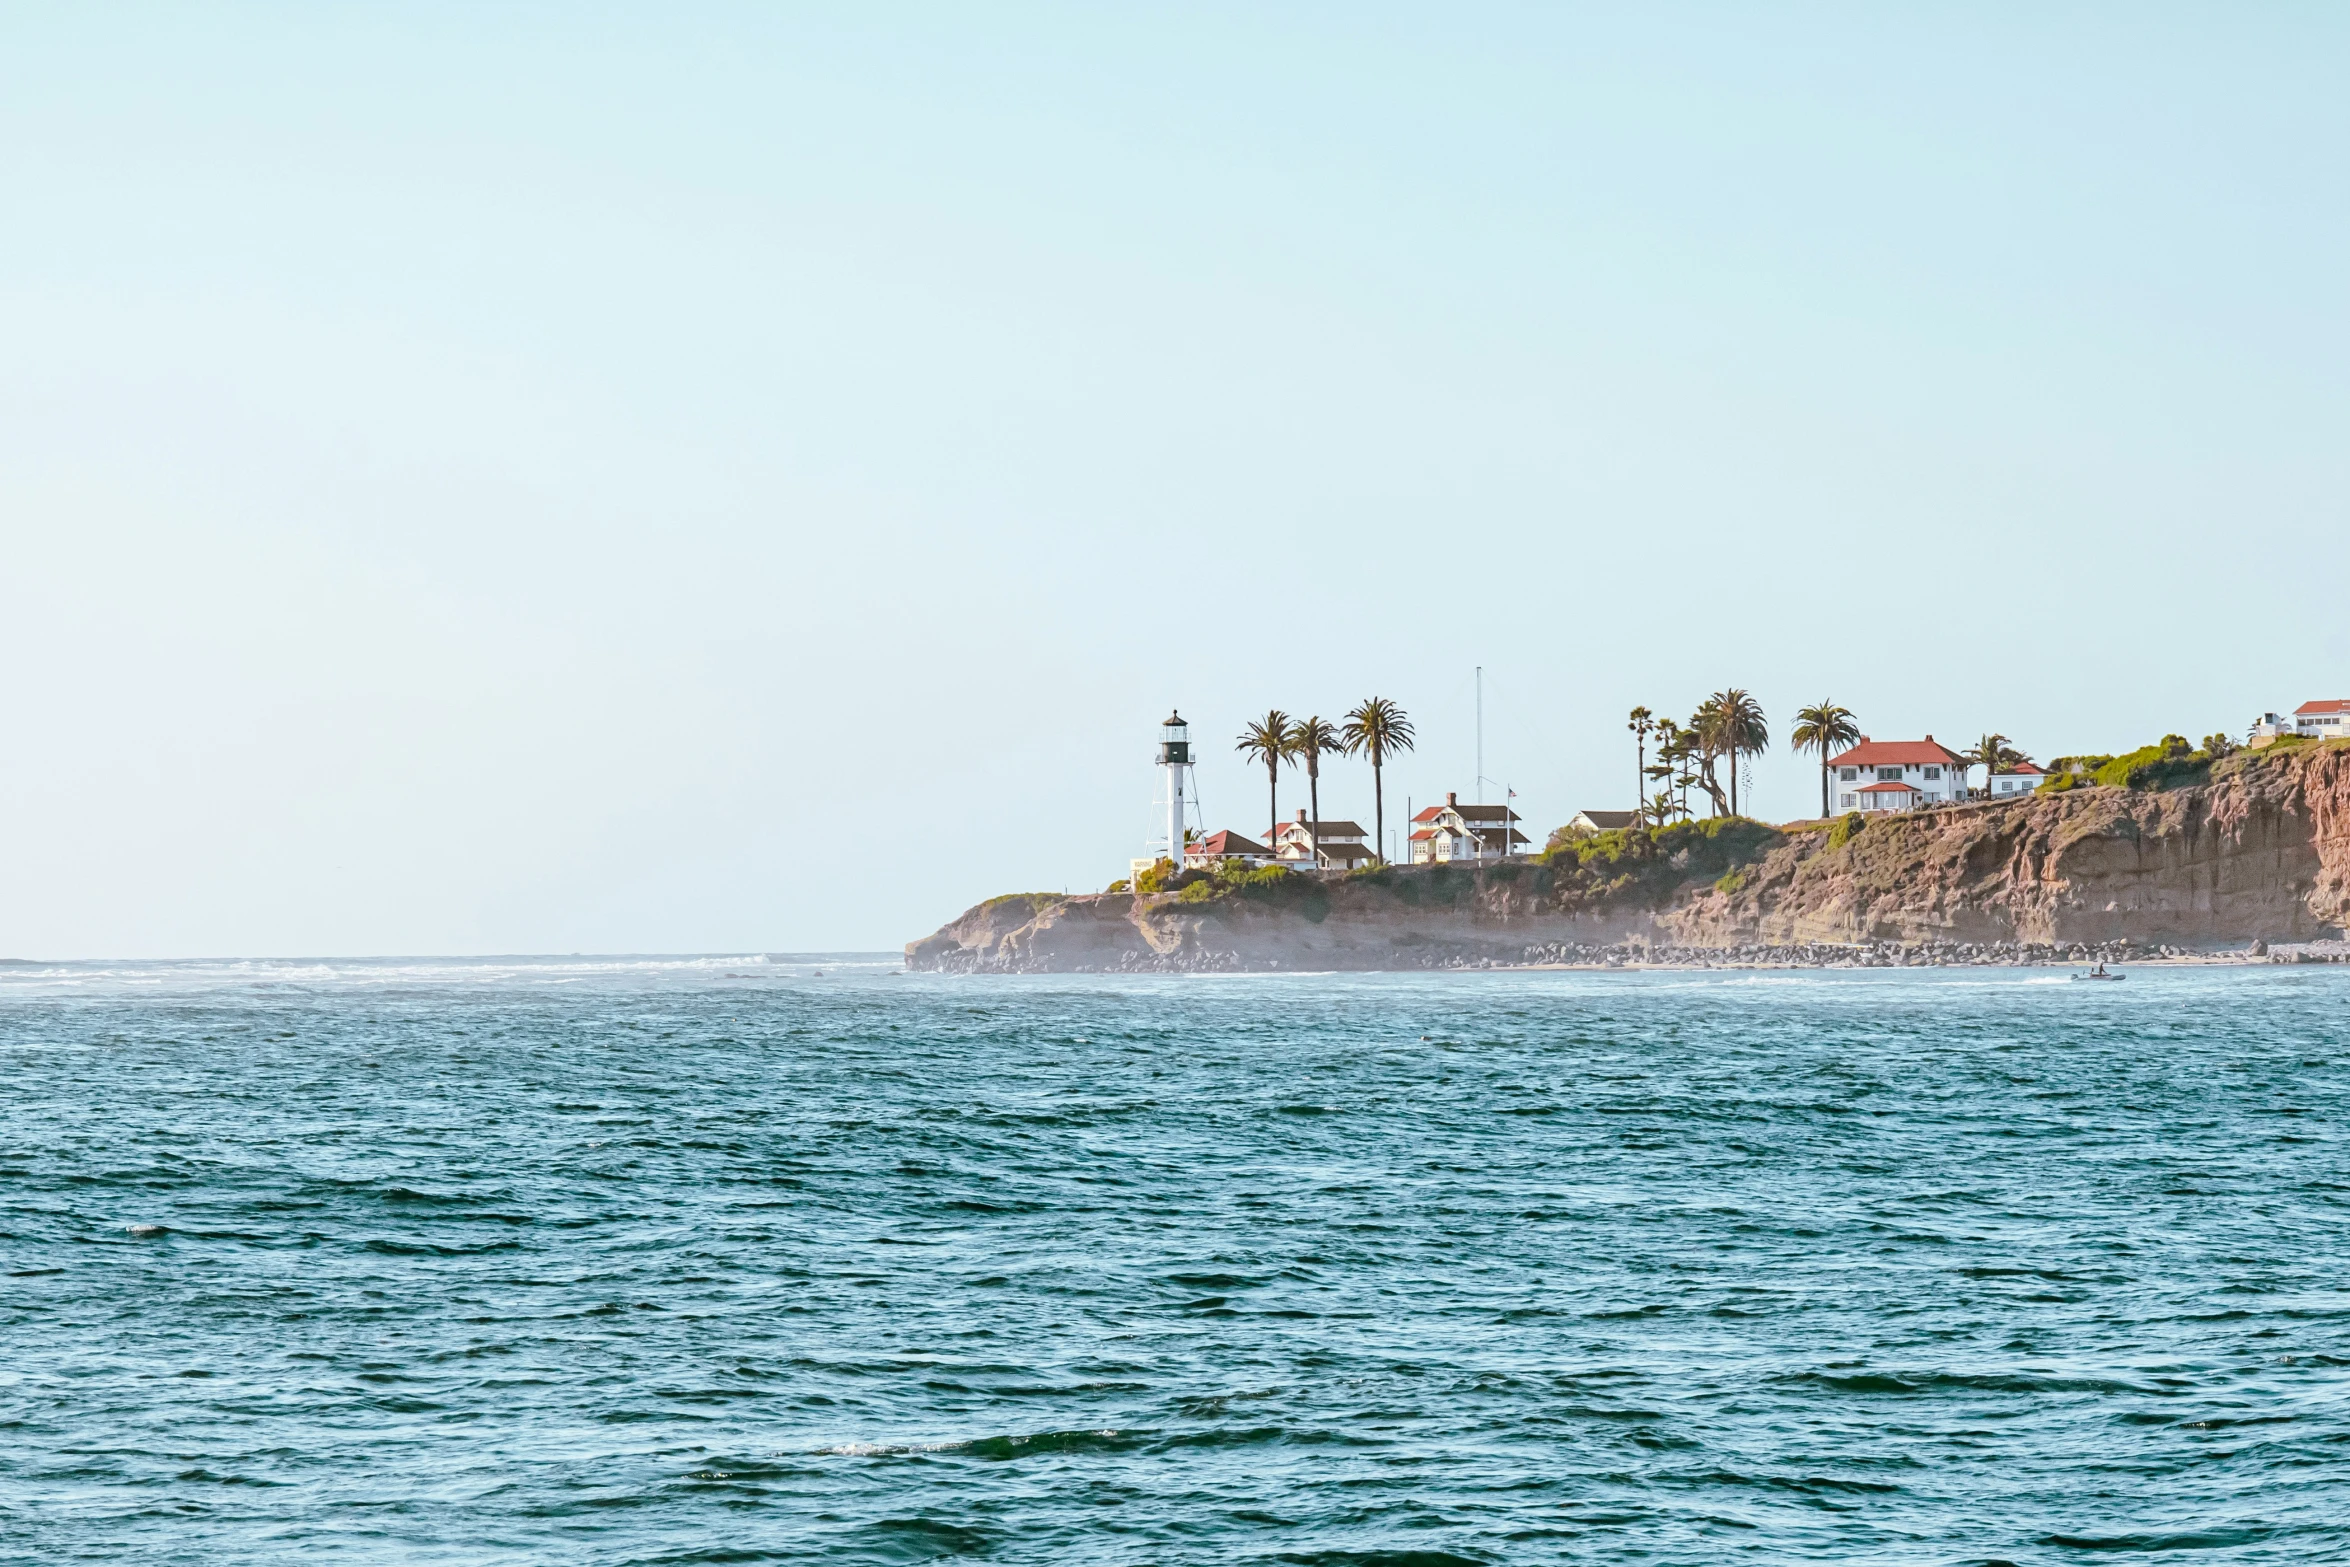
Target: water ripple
pixel 761 1259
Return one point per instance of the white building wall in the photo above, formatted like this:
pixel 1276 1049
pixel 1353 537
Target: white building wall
pixel 1938 782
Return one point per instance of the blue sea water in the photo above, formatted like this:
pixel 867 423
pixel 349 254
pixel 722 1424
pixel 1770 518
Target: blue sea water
pixel 745 1260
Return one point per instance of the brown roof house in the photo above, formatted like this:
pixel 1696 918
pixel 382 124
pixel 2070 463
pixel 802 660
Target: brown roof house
pixel 1331 845
pixel 1453 832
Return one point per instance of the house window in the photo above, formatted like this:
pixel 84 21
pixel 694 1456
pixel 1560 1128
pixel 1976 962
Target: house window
pixel 1889 774
pixel 1933 772
pixel 1848 797
pixel 1849 774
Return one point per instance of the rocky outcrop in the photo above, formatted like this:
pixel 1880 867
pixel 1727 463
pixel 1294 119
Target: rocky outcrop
pixel 2258 851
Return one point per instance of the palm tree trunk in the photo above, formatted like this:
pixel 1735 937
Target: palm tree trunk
pixel 1378 814
pixel 1640 784
pixel 1273 801
pixel 1314 805
pixel 1823 783
pixel 1733 780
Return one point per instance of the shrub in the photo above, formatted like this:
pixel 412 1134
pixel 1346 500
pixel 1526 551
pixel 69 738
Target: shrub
pixel 2220 746
pixel 1846 826
pixel 1199 891
pixel 1155 877
pixel 2151 766
pixel 1120 885
pixel 1731 881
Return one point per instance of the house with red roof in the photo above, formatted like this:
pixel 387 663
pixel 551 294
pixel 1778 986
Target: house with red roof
pixel 2311 720
pixel 1897 775
pixel 2022 778
pixel 1468 833
pixel 2323 720
pixel 1224 848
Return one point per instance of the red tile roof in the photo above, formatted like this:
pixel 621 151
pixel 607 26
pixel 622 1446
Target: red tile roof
pixel 1890 788
pixel 1225 843
pixel 2020 767
pixel 2308 708
pixel 1897 753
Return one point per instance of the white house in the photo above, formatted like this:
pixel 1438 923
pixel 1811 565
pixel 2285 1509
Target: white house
pixel 2022 778
pixel 1336 845
pixel 1453 831
pixel 1896 775
pixel 2323 720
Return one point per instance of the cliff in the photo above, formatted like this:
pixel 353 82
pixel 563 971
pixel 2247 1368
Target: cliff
pixel 2253 848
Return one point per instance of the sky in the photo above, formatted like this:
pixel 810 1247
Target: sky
pixel 512 478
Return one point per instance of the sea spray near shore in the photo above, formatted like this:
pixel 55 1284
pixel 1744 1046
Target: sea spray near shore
pixel 722 1260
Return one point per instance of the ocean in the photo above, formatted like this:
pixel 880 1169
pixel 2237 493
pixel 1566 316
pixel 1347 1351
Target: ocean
pixel 747 1259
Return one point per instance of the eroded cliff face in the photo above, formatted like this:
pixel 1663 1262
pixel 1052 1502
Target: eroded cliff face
pixel 2259 852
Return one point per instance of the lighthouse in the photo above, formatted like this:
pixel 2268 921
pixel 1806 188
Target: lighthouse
pixel 1175 757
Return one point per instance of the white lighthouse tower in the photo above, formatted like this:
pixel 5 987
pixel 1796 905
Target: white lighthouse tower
pixel 1175 757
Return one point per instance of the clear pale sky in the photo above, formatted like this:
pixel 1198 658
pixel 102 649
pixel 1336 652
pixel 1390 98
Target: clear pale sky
pixel 497 479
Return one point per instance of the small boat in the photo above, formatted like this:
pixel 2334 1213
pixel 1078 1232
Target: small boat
pixel 2097 973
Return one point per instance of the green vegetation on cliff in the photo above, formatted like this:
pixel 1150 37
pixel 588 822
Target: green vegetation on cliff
pixel 1652 863
pixel 2173 762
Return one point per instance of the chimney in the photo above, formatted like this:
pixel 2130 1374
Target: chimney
pixel 1301 816
pixel 1450 798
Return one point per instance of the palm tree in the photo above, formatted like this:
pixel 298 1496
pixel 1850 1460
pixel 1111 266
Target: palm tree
pixel 1740 731
pixel 1311 739
pixel 1643 725
pixel 1674 748
pixel 1377 729
pixel 1267 740
pixel 1707 740
pixel 1989 753
pixel 1823 727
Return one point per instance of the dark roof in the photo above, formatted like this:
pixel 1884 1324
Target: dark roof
pixel 1470 813
pixel 1605 820
pixel 1329 829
